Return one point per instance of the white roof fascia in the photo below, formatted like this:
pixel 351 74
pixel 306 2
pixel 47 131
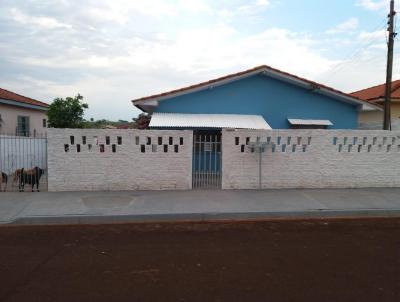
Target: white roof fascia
pixel 310 122
pixel 273 74
pixel 216 121
pixel 196 89
pixel 320 89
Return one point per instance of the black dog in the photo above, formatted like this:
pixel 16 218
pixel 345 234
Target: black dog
pixel 31 177
pixel 3 178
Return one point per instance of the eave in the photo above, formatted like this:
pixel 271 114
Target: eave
pixel 23 105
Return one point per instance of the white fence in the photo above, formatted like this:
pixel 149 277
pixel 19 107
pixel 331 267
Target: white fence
pixel 92 159
pixel 95 160
pixel 311 159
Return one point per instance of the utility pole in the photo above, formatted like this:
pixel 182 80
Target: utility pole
pixel 389 69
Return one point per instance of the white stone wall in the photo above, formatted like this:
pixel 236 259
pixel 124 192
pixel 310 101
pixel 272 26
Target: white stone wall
pixel 128 168
pixel 312 159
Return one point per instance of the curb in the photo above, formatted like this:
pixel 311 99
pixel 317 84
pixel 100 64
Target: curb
pixel 199 217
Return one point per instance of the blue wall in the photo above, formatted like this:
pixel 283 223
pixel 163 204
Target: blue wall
pixel 275 100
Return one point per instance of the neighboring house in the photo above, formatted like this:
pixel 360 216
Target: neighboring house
pixel 20 115
pixel 376 95
pixel 258 98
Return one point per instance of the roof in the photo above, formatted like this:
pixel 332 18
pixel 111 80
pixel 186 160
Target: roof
pixel 263 69
pixel 14 97
pixel 376 93
pixel 293 121
pixel 232 121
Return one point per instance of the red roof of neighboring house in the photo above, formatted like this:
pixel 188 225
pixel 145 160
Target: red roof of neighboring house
pixel 243 73
pixel 376 93
pixel 9 95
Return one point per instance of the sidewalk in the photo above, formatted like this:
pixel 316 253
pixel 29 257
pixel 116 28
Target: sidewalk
pixel 145 206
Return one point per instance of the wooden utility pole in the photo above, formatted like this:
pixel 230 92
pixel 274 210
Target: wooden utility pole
pixel 389 69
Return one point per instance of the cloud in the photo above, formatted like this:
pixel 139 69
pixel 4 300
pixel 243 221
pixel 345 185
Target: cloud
pixel 42 22
pixel 347 26
pixel 114 51
pixel 250 8
pixel 116 64
pixel 373 35
pixel 195 6
pixel 373 4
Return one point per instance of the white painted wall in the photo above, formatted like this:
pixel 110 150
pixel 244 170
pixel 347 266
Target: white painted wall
pixel 127 169
pixel 373 159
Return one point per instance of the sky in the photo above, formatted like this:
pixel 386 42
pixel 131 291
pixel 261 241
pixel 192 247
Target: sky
pixel 113 51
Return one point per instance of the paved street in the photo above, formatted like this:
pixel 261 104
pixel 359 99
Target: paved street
pixel 282 260
pixel 109 207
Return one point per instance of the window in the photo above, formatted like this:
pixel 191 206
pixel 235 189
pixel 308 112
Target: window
pixel 23 126
pixel 44 123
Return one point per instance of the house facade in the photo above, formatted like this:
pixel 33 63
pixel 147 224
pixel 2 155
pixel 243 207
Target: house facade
pixel 283 100
pixel 376 95
pixel 20 115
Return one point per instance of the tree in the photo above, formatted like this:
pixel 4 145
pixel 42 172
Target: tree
pixel 67 113
pixel 142 121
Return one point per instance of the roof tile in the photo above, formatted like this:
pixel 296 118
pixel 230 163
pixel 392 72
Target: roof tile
pixel 377 92
pixel 234 75
pixel 12 96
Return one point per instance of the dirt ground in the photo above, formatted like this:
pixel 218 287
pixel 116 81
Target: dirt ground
pixel 292 260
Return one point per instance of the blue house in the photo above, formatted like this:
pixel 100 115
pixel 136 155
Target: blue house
pixel 259 98
pixel 281 99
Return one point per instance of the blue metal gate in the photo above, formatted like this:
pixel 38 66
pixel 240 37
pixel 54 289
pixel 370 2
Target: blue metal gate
pixel 207 161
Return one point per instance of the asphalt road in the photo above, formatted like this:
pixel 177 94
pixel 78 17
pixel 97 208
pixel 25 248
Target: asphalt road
pixel 292 260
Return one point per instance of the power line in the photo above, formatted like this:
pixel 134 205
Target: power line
pixel 355 52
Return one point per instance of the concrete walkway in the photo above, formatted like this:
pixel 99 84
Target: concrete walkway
pixel 140 206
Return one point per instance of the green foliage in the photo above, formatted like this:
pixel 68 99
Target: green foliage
pixel 67 113
pixel 142 121
pixel 106 124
